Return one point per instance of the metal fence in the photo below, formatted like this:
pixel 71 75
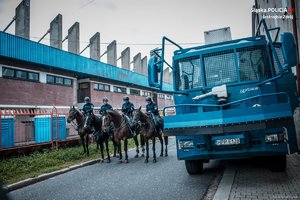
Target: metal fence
pixel 28 127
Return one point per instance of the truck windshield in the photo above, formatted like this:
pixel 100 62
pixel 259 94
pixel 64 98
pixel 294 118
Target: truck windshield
pixel 229 66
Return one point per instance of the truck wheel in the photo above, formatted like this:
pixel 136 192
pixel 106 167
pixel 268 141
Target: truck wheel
pixel 194 166
pixel 277 163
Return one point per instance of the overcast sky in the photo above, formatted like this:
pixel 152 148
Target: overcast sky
pixel 133 22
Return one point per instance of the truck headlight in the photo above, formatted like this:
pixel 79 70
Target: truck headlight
pixel 186 144
pixel 278 137
pixel 170 112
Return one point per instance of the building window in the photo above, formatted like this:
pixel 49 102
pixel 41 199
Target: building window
pixel 119 89
pixel 59 80
pixel 161 96
pixel 146 93
pixel 135 92
pixel 101 86
pixel 6 72
pixel 19 74
pixel 169 97
pixel 33 76
pixel 67 82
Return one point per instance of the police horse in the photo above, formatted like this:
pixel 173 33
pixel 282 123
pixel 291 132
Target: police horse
pixel 77 120
pixel 149 131
pixel 121 132
pixel 83 125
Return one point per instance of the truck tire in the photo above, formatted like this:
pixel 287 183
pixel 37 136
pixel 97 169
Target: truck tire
pixel 194 166
pixel 277 163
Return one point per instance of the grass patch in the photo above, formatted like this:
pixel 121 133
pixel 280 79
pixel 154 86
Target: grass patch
pixel 19 168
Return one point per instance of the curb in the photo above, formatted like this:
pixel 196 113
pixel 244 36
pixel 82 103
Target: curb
pixel 224 188
pixel 42 177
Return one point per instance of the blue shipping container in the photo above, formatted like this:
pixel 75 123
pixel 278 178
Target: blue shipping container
pixel 42 129
pixel 7 132
pixel 62 128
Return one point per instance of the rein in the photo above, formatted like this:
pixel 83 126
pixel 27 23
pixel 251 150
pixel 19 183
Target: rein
pixel 123 124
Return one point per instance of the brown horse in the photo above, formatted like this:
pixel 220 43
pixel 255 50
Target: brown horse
pixel 121 132
pixel 149 131
pixel 83 132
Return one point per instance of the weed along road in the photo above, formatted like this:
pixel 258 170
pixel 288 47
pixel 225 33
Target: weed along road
pixel 166 179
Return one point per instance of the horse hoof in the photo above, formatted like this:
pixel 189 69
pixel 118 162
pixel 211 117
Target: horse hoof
pixel 101 160
pixel 108 161
pixel 120 161
pixel 146 161
pixel 166 155
pixel 143 155
pixel 114 155
pixel 126 161
pixel 161 155
pixel 154 160
pixel 136 156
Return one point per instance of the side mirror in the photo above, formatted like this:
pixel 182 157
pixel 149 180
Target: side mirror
pixel 153 70
pixel 289 51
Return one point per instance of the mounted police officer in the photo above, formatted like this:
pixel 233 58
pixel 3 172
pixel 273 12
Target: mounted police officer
pixel 152 109
pixel 127 109
pixel 103 109
pixel 106 106
pixel 88 109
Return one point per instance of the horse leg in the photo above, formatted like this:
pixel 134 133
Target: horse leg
pixel 107 150
pixel 166 139
pixel 147 151
pixel 153 149
pixel 96 137
pixel 102 151
pixel 87 144
pixel 120 151
pixel 162 145
pixel 142 145
pixel 126 150
pixel 137 146
pixel 115 148
pixel 83 143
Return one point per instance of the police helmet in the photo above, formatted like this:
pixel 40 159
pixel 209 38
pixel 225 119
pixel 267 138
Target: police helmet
pixel 125 98
pixel 105 99
pixel 148 98
pixel 86 98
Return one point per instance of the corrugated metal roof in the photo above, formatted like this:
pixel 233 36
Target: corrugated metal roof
pixel 15 47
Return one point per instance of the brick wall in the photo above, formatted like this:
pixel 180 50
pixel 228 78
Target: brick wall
pixel 18 92
pixel 116 99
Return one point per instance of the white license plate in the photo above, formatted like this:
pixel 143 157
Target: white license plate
pixel 228 141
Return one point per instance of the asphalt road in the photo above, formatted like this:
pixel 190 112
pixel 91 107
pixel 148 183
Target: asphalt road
pixel 166 179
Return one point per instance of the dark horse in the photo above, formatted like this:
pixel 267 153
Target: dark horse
pixel 101 136
pixel 149 131
pixel 75 114
pixel 121 132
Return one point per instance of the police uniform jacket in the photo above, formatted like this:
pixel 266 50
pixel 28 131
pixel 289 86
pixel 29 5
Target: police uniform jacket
pixel 127 108
pixel 105 107
pixel 88 108
pixel 152 107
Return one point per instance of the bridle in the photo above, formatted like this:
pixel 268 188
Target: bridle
pixel 122 125
pixel 75 125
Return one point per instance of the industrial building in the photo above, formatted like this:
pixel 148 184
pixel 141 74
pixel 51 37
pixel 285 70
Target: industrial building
pixel 35 78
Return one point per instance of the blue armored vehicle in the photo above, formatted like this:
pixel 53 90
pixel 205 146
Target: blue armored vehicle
pixel 233 100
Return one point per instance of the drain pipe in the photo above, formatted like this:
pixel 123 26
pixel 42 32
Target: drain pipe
pixel 295 32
